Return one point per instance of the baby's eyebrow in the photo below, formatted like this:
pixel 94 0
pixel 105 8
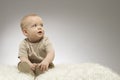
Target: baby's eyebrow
pixel 41 24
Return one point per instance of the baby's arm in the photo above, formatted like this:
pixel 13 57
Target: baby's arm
pixel 25 59
pixel 50 56
pixel 23 56
pixel 47 60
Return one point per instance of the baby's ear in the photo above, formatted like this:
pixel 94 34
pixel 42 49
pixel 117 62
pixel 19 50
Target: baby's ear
pixel 25 32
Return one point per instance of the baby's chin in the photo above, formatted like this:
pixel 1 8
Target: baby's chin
pixel 40 37
pixel 37 39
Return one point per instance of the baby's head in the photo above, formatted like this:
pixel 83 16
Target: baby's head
pixel 32 27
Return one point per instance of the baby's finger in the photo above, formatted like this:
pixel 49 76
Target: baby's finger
pixel 41 67
pixel 33 68
pixel 46 68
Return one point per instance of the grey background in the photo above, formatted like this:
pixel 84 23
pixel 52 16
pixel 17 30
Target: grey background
pixel 81 30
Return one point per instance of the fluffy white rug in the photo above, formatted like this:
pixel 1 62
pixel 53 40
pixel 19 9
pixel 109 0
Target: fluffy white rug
pixel 86 71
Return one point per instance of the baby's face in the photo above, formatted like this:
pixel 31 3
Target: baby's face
pixel 34 28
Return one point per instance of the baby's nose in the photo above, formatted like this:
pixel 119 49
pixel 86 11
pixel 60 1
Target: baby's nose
pixel 39 27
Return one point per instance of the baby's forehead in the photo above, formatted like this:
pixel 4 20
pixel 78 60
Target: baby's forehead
pixel 32 19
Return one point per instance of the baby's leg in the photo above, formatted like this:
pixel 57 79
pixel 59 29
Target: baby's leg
pixel 51 65
pixel 25 68
pixel 38 71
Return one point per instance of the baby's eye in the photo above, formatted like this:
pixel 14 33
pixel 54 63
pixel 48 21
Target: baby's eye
pixel 34 25
pixel 41 25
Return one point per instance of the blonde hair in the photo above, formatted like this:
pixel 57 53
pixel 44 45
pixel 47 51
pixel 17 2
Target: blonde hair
pixel 23 20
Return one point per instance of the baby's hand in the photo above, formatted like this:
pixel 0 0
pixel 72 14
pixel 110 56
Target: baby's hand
pixel 33 65
pixel 43 65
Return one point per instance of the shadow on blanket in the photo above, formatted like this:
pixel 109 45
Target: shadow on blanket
pixel 85 71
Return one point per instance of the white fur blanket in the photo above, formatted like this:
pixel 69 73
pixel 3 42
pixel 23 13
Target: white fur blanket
pixel 86 71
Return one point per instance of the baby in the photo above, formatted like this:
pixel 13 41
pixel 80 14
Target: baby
pixel 35 51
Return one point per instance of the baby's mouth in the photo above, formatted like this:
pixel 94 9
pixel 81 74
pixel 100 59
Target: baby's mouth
pixel 40 32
